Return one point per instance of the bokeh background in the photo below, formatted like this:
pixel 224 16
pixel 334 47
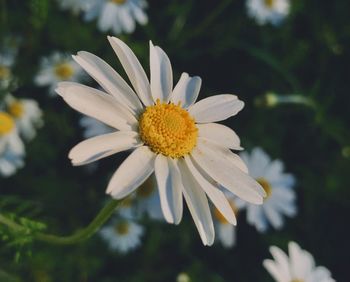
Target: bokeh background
pixel 307 55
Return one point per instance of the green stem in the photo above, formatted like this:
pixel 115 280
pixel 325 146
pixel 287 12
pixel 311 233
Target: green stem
pixel 76 237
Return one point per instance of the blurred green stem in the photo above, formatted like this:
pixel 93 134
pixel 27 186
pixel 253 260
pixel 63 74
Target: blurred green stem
pixel 79 235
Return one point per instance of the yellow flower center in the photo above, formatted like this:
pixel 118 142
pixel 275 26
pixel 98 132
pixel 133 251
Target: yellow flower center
pixel 220 217
pixel 6 123
pixel 122 228
pixel 269 3
pixel 168 129
pixel 4 72
pixel 16 109
pixel 266 185
pixel 118 2
pixel 64 71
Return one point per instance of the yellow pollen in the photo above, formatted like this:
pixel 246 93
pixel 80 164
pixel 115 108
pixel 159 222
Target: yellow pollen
pixel 119 2
pixel 6 123
pixel 4 72
pixel 220 217
pixel 266 185
pixel 64 71
pixel 16 109
pixel 168 129
pixel 269 3
pixel 122 228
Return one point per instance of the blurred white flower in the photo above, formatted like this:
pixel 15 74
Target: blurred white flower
pixel 119 16
pixel 76 6
pixel 11 146
pixel 27 114
pixel 183 277
pixel 6 62
pixel 268 11
pixel 280 199
pixel 55 68
pixel 122 235
pixel 169 133
pixel 298 267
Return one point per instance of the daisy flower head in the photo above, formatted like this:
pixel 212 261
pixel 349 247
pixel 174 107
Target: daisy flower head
pixel 27 115
pixel 268 11
pixel 170 135
pixel 119 16
pixel 299 266
pixel 123 235
pixel 55 68
pixel 278 185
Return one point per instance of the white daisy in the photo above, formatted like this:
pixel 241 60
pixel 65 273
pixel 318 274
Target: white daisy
pixel 11 146
pixel 122 235
pixel 27 114
pixel 120 16
pixel 226 231
pixel 76 6
pixel 268 11
pixel 298 267
pixel 169 133
pixel 280 199
pixel 55 68
pixel 93 127
pixel 6 62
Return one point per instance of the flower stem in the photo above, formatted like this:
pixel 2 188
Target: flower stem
pixel 76 237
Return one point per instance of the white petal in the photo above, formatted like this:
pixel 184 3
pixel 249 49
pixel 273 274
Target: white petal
pixel 216 108
pixel 282 260
pixel 170 197
pixel 273 216
pixel 220 134
pixel 275 272
pixel 161 74
pixel 177 189
pixel 222 170
pixel 227 235
pixel 186 90
pixel 109 79
pixel 96 104
pixel 198 205
pixel 132 173
pixel 102 146
pixel 215 195
pixel 133 69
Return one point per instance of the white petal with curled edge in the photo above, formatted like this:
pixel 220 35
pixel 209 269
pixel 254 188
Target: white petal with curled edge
pixel 198 205
pixel 132 173
pixel 161 74
pixel 216 108
pixel 102 146
pixel 96 104
pixel 186 90
pixel 133 69
pixel 281 259
pixel 109 79
pixel 275 272
pixel 220 134
pixel 215 195
pixel 227 174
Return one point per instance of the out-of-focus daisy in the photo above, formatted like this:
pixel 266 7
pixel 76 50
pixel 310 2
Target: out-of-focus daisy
pixel 280 199
pixel 226 231
pixel 93 127
pixel 268 11
pixel 298 267
pixel 55 68
pixel 169 133
pixel 6 62
pixel 120 16
pixel 76 6
pixel 27 114
pixel 10 162
pixel 123 235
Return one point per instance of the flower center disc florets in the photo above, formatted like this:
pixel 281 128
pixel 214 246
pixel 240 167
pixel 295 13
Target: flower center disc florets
pixel 64 71
pixel 16 109
pixel 6 123
pixel 168 129
pixel 266 185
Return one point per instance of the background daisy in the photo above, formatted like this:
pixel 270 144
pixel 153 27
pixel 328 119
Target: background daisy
pixel 268 11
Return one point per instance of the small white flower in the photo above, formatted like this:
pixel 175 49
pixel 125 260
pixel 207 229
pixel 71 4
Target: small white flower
pixel 11 146
pixel 120 16
pixel 268 11
pixel 27 114
pixel 6 62
pixel 76 6
pixel 122 235
pixel 298 267
pixel 55 68
pixel 170 135
pixel 280 199
pixel 93 127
